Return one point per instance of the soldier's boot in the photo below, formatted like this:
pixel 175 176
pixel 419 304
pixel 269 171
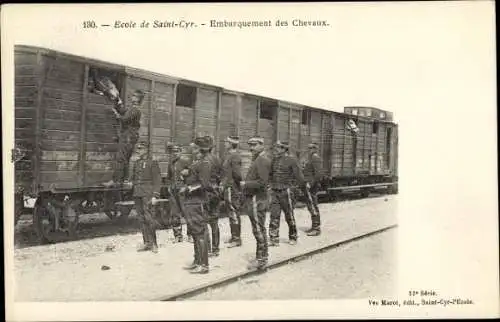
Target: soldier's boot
pixel 274 242
pixel 203 256
pixel 145 238
pixel 154 246
pixel 258 264
pixel 196 261
pixel 236 237
pixel 200 269
pixel 215 240
pixel 314 232
pixel 230 240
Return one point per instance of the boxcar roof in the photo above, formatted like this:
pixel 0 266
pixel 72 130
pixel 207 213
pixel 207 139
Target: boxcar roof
pixel 162 77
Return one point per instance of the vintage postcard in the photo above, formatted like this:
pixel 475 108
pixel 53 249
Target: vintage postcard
pixel 249 161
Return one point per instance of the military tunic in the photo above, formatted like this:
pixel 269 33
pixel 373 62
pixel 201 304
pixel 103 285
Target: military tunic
pixel 146 183
pixel 231 185
pixel 312 174
pixel 196 215
pixel 255 202
pixel 213 201
pixel 285 173
pixel 175 181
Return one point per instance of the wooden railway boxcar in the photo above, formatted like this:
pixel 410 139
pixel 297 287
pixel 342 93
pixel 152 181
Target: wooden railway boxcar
pixel 69 135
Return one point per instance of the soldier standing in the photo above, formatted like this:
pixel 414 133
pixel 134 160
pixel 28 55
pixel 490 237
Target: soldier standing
pixel 175 181
pixel 130 121
pixel 255 204
pixel 146 184
pixel 198 184
pixel 285 171
pixel 312 175
pixel 230 187
pixel 213 199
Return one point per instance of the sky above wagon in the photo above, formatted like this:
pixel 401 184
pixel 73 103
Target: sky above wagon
pixel 399 57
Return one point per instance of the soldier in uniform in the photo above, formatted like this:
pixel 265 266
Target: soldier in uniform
pixel 198 184
pixel 146 185
pixel 255 201
pixel 230 187
pixel 175 181
pixel 312 175
pixel 214 199
pixel 194 158
pixel 285 172
pixel 130 121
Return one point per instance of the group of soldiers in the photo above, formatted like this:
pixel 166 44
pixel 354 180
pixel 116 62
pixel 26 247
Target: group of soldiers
pixel 200 188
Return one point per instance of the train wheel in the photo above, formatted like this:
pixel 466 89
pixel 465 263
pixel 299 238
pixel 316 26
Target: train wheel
pixel 55 224
pixel 71 216
pixel 44 223
pixel 119 213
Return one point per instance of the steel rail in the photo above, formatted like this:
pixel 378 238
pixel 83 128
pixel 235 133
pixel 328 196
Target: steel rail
pixel 273 265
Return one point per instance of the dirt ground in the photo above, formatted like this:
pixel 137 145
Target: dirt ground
pixel 72 271
pixel 362 269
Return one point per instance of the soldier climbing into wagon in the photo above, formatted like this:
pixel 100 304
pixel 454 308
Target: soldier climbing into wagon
pixel 130 123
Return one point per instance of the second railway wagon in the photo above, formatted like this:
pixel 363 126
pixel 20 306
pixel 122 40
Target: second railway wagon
pixel 68 136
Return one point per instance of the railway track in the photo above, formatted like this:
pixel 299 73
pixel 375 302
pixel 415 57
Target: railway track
pixel 185 294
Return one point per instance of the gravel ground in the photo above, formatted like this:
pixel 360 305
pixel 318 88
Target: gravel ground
pixel 361 269
pixel 71 271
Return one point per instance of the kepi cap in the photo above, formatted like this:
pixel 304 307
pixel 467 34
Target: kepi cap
pixel 203 142
pixel 313 145
pixel 233 139
pixel 256 140
pixel 282 144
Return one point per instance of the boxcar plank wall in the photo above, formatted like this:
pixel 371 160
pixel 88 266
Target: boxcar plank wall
pixel 227 119
pixel 206 112
pixel 315 128
pixel 360 145
pixel 60 121
pixel 184 124
pixel 162 120
pixel 295 116
pixel 337 145
pixel 283 121
pixel 326 138
pixel 305 138
pixel 71 135
pixel 248 128
pixel 25 115
pixel 267 122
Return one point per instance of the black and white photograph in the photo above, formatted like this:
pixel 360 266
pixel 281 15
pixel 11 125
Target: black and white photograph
pixel 215 161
